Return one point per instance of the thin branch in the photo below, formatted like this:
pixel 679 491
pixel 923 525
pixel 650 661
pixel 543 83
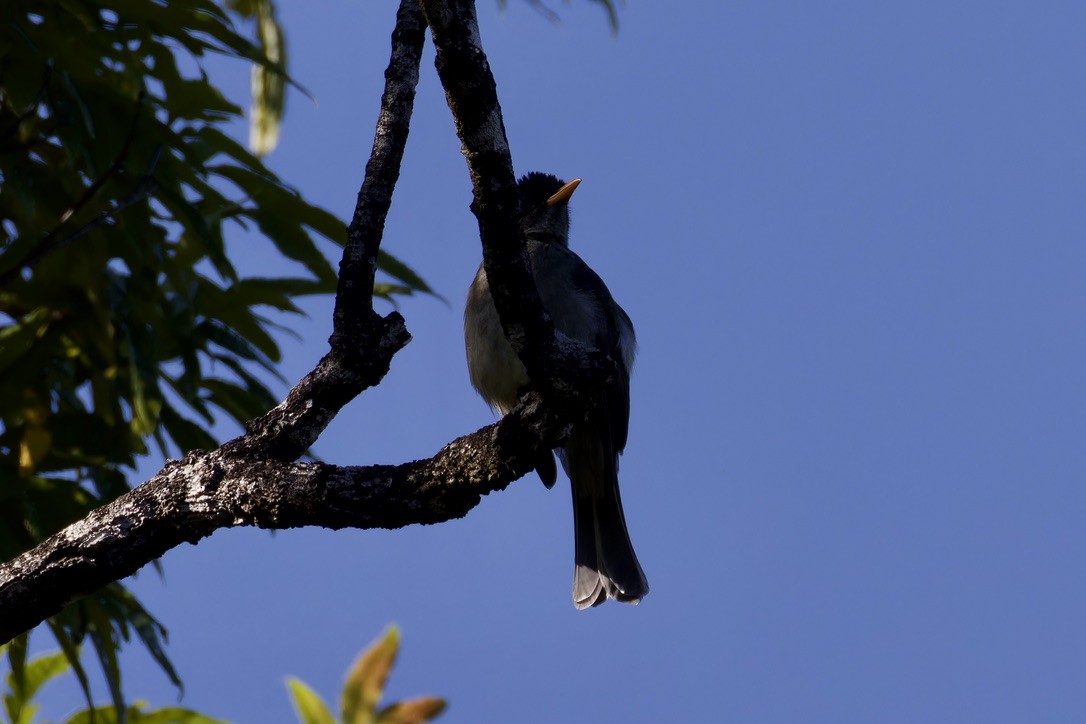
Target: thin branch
pixel 358 267
pixel 180 503
pixel 144 188
pixel 251 480
pixel 35 141
pixel 91 191
pixel 362 343
pixel 33 108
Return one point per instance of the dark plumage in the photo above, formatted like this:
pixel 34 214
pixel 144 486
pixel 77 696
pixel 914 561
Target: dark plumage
pixel 582 308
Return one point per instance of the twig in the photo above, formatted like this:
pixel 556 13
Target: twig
pixel 92 190
pixel 358 266
pixel 146 186
pixel 47 76
pixel 362 343
pixel 48 245
pixel 251 481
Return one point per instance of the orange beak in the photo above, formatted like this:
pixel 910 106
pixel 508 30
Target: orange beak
pixel 562 195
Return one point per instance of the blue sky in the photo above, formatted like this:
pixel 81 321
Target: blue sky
pixel 850 236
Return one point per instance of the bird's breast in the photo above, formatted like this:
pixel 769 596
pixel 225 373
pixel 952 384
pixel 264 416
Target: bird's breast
pixel 495 370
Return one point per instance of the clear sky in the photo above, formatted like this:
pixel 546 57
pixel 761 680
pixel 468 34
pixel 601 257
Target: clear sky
pixel 850 236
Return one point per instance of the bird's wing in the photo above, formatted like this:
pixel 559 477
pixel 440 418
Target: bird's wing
pixel 582 308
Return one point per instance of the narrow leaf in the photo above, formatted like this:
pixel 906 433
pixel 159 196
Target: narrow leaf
pixel 366 681
pixel 415 711
pixel 310 708
pixel 41 670
pixel 71 651
pixel 268 82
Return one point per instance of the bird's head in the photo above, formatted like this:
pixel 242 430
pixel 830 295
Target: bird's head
pixel 544 207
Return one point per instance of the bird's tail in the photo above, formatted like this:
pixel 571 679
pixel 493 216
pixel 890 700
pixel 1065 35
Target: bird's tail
pixel 606 565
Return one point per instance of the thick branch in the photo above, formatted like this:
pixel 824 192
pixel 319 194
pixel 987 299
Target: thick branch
pixel 190 499
pixel 171 508
pixel 353 365
pixel 251 480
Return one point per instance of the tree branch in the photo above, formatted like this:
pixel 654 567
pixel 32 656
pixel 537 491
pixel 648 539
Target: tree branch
pixel 32 109
pixel 552 360
pixel 190 499
pixel 251 480
pixel 358 266
pixel 362 342
pixel 142 524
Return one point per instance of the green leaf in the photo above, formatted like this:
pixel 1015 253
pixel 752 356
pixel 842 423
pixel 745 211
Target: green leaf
pixel 17 700
pixel 105 642
pixel 396 268
pixel 281 214
pixel 16 339
pixel 143 376
pixel 43 668
pixel 137 714
pixel 268 82
pixel 366 681
pixel 71 651
pixel 309 707
pixel 252 384
pixel 171 715
pixel 219 142
pixel 236 401
pixel 257 345
pixel 208 235
pixel 186 434
pixel 126 608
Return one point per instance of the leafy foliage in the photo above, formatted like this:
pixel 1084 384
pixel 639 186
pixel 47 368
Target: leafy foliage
pixel 22 686
pixel 124 322
pixel 362 692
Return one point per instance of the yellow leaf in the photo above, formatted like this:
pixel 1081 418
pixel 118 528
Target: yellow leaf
pixel 310 708
pixel 33 447
pixel 366 681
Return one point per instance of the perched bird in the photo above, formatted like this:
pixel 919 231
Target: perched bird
pixel 582 308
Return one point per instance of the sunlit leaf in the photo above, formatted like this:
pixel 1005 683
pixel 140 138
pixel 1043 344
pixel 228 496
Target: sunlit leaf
pixel 71 650
pixel 366 680
pixel 268 82
pixel 107 114
pixel 414 711
pixel 40 670
pixel 309 707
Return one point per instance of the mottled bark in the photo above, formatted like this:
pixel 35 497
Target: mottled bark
pixel 180 503
pixel 252 480
pixel 358 266
pixel 553 361
pixel 190 499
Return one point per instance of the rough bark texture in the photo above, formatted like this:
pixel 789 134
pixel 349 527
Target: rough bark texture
pixel 191 498
pixel 354 298
pixel 252 480
pixel 552 361
pixel 181 502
